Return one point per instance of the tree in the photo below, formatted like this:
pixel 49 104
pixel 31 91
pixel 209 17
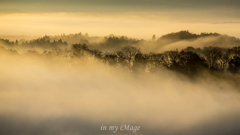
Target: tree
pixel 234 65
pixel 181 35
pixel 79 50
pixel 190 48
pixel 140 63
pixel 213 54
pixel 190 63
pixel 153 38
pixel 121 59
pixel 170 58
pixel 129 52
pixel 235 51
pixel 13 52
pixel 97 53
pixel 16 42
pixel 154 61
pixel 223 61
pixel 111 59
pixel 32 52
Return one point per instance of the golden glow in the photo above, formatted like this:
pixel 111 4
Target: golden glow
pixel 40 90
pixel 137 25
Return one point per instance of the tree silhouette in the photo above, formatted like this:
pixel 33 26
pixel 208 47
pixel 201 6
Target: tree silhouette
pixel 79 50
pixel 111 58
pixel 129 52
pixel 16 42
pixel 224 61
pixel 235 51
pixel 154 61
pixel 170 59
pixel 121 59
pixel 140 63
pixel 97 54
pixel 190 63
pixel 234 65
pixel 180 35
pixel 213 54
pixel 153 38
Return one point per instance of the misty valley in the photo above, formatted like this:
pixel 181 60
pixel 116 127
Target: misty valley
pixel 180 83
pixel 182 51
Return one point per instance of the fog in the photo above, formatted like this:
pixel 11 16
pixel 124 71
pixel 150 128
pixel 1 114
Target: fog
pixel 114 43
pixel 162 45
pixel 61 95
pixel 72 67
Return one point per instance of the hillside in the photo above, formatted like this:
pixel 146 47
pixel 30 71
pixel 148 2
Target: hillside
pixel 171 41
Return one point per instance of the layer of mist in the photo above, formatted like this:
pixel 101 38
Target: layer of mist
pixel 61 94
pixel 178 40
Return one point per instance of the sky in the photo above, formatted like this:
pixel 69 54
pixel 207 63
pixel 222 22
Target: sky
pixel 135 18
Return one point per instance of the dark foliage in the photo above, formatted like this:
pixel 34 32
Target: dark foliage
pixel 189 61
pixel 79 50
pixel 140 63
pixel 234 65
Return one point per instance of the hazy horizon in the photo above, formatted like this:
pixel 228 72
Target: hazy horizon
pixel 184 83
pixel 137 19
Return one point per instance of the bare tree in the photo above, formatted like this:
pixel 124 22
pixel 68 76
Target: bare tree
pixel 213 54
pixel 79 49
pixel 223 61
pixel 170 58
pixel 154 60
pixel 129 53
pixel 234 52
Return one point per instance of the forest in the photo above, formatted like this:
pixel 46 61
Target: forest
pixel 212 56
pixel 119 67
pixel 178 83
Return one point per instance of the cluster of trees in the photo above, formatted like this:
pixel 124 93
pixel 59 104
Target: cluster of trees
pixel 7 42
pixel 211 39
pixel 188 61
pixel 114 43
pixel 115 40
pixel 43 42
pixel 77 38
pixel 186 35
